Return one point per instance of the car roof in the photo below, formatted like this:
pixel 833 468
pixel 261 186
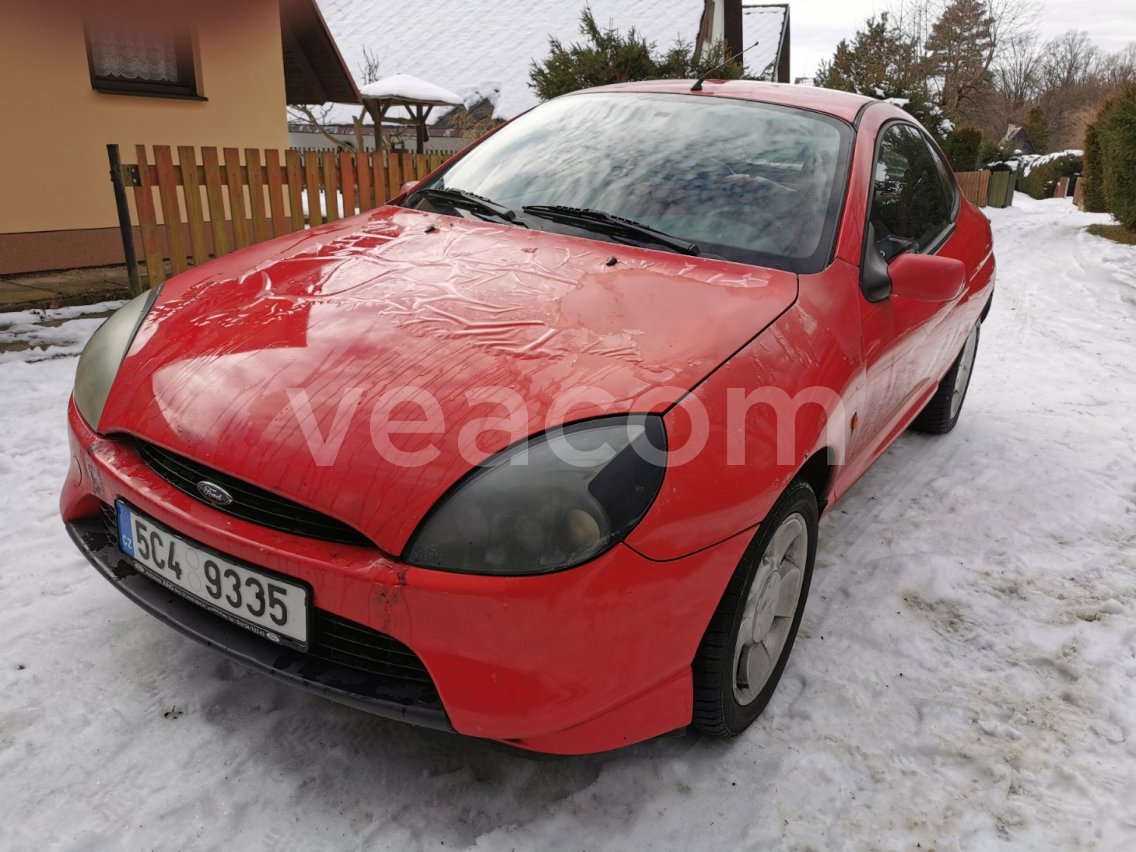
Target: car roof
pixel 843 105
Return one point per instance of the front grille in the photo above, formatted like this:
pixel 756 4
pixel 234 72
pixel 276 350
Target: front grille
pixel 110 522
pixel 249 502
pixel 348 644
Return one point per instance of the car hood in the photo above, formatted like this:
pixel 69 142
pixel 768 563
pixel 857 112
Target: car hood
pixel 275 364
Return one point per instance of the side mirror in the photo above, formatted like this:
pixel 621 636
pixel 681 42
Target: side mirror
pixel 875 281
pixel 408 187
pixel 927 278
pixel 922 277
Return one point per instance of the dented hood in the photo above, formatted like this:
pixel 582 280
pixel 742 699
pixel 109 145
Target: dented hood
pixel 276 364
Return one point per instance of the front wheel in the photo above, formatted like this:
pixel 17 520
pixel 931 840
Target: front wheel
pixel 747 644
pixel 942 411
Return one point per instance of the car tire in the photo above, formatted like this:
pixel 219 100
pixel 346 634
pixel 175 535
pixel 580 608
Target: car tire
pixel 735 671
pixel 941 412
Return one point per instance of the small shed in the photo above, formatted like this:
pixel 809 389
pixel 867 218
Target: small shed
pixel 1017 141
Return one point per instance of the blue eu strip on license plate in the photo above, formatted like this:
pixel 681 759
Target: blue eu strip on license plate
pixel 125 537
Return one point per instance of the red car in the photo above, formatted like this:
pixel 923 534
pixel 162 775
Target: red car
pixel 536 453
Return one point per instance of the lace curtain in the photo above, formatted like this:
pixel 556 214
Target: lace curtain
pixel 134 55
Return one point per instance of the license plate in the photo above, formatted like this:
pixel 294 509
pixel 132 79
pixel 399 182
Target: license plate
pixel 263 603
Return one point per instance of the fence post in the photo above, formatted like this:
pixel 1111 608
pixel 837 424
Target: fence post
pixel 125 228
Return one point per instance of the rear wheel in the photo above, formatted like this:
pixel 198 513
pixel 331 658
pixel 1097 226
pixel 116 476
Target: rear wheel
pixel 747 644
pixel 942 411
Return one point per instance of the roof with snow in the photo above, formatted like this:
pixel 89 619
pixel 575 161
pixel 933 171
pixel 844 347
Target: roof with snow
pixel 757 29
pixel 764 24
pixel 485 50
pixel 408 89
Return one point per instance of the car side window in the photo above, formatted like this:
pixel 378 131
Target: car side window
pixel 912 199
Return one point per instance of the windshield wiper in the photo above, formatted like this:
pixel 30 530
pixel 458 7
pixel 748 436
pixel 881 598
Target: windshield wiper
pixel 472 202
pixel 598 220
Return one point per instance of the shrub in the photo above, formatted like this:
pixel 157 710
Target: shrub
pixel 1092 182
pixel 962 147
pixel 1036 127
pixel 989 153
pixel 1116 134
pixel 1039 176
pixel 609 56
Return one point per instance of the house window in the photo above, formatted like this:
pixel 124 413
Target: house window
pixel 140 60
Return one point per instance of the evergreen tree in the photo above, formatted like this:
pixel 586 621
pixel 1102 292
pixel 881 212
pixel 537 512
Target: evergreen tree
pixel 1036 127
pixel 962 147
pixel 607 56
pixel 883 63
pixel 960 50
pixel 879 57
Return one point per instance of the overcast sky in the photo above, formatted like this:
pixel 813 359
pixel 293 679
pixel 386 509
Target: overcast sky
pixel 817 25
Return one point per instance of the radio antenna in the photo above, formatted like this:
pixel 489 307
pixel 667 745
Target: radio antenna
pixel 697 87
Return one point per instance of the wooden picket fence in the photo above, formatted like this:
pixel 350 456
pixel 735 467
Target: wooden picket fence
pixel 975 186
pixel 212 203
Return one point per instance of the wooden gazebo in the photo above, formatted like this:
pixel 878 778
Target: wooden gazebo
pixel 416 96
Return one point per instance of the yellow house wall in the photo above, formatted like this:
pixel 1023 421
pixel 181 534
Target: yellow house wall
pixel 55 127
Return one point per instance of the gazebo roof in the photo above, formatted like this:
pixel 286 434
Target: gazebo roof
pixel 405 89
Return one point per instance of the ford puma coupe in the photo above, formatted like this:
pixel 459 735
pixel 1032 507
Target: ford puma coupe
pixel 537 451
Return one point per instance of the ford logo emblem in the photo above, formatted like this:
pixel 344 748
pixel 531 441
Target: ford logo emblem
pixel 213 493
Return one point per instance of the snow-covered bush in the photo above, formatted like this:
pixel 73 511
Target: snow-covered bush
pixel 1038 174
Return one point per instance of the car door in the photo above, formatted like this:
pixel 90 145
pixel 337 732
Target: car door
pixel 913 207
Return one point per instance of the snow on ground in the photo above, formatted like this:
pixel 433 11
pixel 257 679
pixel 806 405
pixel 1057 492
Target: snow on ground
pixel 965 675
pixel 37 335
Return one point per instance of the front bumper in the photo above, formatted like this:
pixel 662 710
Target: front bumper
pixel 579 661
pixel 394 698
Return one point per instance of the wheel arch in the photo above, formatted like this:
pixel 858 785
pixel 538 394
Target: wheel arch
pixel 818 471
pixel 986 309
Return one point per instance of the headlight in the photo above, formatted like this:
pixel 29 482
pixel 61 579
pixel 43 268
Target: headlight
pixel 103 354
pixel 548 503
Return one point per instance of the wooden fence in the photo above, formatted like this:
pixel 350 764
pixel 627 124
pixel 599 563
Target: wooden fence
pixel 975 186
pixel 211 202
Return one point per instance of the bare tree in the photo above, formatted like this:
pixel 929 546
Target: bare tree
pixel 1119 69
pixel 914 18
pixel 982 62
pixel 1070 60
pixel 967 44
pixel 319 115
pixel 1017 72
pixel 1014 22
pixel 1075 79
pixel 369 67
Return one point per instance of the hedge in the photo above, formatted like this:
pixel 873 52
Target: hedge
pixel 1092 182
pixel 1042 179
pixel 1116 133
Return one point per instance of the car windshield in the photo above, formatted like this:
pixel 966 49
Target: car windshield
pixel 745 181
